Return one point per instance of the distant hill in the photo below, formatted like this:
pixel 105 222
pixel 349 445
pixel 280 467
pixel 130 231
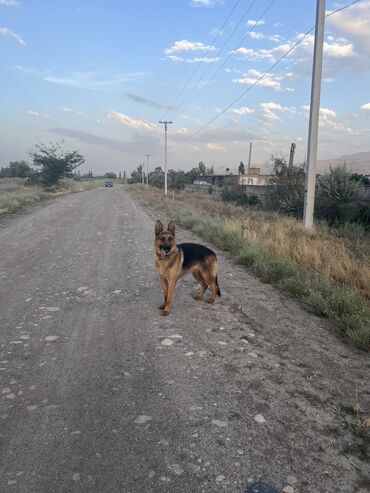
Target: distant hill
pixel 358 163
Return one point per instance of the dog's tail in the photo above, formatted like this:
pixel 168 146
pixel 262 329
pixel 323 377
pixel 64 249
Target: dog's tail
pixel 218 287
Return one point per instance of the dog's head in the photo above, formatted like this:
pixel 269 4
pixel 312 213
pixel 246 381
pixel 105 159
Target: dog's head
pixel 165 242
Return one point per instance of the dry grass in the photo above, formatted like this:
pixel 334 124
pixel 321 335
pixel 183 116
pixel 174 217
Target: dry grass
pixel 345 260
pixel 11 202
pixel 327 270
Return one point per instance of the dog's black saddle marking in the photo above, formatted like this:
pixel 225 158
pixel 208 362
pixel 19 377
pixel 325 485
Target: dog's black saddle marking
pixel 193 252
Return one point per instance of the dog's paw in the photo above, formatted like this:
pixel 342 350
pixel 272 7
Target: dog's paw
pixel 162 306
pixel 164 313
pixel 210 301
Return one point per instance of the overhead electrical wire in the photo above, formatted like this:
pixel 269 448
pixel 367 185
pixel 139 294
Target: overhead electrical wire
pixel 201 129
pixel 219 31
pixel 226 59
pixel 246 12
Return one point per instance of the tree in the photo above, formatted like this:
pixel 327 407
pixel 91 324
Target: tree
pixel 340 199
pixel 202 168
pixel 360 178
pixel 16 169
pixel 137 175
pixel 110 174
pixel 177 179
pixel 54 163
pixel 286 193
pixel 241 168
pixel 156 177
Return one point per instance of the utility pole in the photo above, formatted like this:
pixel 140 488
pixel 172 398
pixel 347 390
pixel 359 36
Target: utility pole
pixel 147 168
pixel 291 156
pixel 309 193
pixel 165 123
pixel 142 173
pixel 249 159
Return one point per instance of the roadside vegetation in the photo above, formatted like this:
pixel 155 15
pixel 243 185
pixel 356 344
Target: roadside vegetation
pixel 327 269
pixel 52 174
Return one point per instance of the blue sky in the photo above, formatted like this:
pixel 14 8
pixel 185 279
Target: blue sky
pixel 100 74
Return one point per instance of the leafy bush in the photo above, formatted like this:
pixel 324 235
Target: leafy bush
pixel 53 163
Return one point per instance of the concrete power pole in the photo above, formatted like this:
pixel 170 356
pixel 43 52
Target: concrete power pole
pixel 309 193
pixel 142 173
pixel 292 151
pixel 147 168
pixel 165 123
pixel 249 159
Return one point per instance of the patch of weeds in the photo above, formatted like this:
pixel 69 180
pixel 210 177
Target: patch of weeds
pixel 355 422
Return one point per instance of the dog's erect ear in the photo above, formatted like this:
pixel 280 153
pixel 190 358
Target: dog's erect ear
pixel 171 227
pixel 158 227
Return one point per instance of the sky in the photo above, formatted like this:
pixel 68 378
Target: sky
pixel 99 75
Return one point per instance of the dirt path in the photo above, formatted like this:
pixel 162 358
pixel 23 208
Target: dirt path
pixel 251 388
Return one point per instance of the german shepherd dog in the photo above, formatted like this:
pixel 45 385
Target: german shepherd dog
pixel 173 261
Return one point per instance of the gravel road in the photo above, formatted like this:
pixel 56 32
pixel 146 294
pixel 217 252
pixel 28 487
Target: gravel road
pixel 102 394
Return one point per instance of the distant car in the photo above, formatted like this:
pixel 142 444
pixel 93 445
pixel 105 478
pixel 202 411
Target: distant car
pixel 108 183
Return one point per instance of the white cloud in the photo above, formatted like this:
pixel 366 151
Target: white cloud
pixel 242 111
pixel 132 122
pixel 329 120
pixel 204 3
pixel 203 60
pixel 5 31
pixel 186 45
pixel 216 32
pixel 73 112
pixel 252 76
pixel 270 37
pixel 355 23
pixel 8 3
pixel 252 22
pixel 268 109
pixel 366 107
pixel 36 114
pixel 215 147
pixel 333 48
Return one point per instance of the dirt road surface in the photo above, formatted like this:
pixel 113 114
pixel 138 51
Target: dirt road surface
pixel 102 394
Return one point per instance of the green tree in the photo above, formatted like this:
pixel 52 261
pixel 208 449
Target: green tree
pixel 156 177
pixel 110 174
pixel 340 199
pixel 16 169
pixel 177 179
pixel 286 192
pixel 137 175
pixel 241 168
pixel 54 163
pixel 202 168
pixel 360 178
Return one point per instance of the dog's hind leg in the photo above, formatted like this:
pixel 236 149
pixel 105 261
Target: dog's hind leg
pixel 210 277
pixel 203 285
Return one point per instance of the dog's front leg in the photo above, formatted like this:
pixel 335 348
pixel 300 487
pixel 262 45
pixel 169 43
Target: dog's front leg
pixel 164 284
pixel 171 285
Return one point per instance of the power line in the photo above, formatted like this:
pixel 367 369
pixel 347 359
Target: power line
pixel 179 109
pixel 201 129
pixel 199 63
pixel 228 58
